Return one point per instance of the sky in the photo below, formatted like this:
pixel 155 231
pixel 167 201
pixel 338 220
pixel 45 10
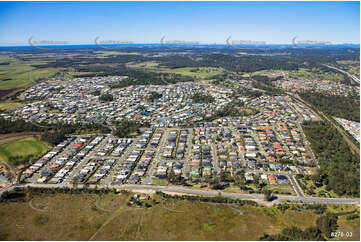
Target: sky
pixel 205 22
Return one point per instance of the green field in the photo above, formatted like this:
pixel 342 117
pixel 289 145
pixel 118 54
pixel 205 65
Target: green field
pixel 282 189
pixel 21 150
pixel 196 72
pixel 78 217
pixel 159 182
pixel 18 74
pixel 275 188
pixel 110 53
pixel 151 65
pixel 8 105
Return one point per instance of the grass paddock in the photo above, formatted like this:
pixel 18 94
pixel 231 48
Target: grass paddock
pixel 20 150
pixel 75 217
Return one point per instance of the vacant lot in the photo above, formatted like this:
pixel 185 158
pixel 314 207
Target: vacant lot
pixel 78 217
pixel 21 150
pixel 275 188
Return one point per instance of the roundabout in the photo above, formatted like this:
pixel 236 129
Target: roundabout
pixel 108 204
pixel 169 209
pixel 39 206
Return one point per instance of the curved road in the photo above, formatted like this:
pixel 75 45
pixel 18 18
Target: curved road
pixel 353 77
pixel 32 121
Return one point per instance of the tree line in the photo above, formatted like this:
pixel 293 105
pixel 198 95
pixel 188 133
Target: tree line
pixel 59 132
pixel 106 97
pixel 202 98
pixel 126 128
pixel 54 135
pixel 8 126
pixel 334 105
pixel 23 194
pixel 339 166
pixel 217 199
pixel 154 96
pixel 265 83
pixel 325 225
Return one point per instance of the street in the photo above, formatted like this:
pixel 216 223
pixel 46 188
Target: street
pixel 197 192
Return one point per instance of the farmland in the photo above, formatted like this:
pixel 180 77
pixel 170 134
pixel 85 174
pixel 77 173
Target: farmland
pixel 82 217
pixel 201 72
pixel 18 74
pixel 103 54
pixel 8 105
pixel 196 72
pixel 21 150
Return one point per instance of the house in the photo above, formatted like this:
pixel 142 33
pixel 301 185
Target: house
pixel 271 177
pixel 250 147
pixel 264 177
pixel 251 155
pixel 282 180
pixel 248 176
pixel 144 197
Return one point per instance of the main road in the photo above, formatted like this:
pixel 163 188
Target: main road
pixel 353 77
pixel 196 192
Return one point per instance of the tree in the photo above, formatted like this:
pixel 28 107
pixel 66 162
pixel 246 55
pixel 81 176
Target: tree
pixel 223 176
pixel 202 98
pixel 106 97
pixel 294 233
pixel 240 179
pixel 267 195
pixel 154 96
pixel 261 185
pixel 327 223
pixel 340 168
pixel 7 126
pixel 96 93
pixel 256 180
pixel 126 127
pixel 216 184
pixel 175 179
pixel 340 106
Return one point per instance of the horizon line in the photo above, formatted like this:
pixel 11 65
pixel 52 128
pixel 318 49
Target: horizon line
pixel 179 44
